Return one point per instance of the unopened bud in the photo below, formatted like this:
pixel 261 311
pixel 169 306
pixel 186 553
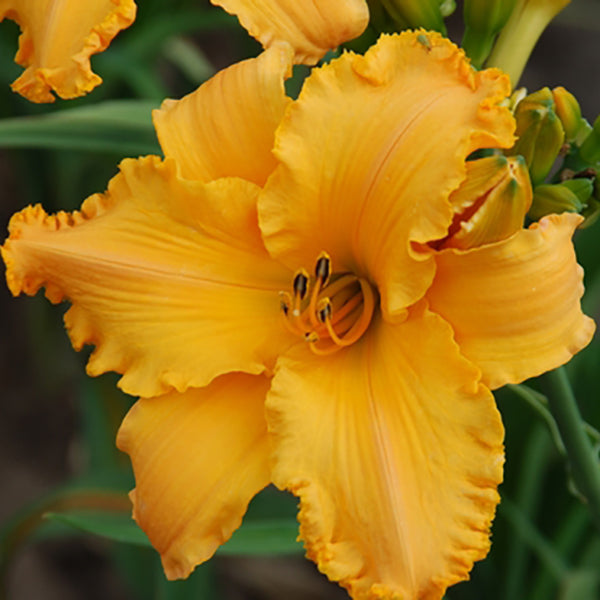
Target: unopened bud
pixel 540 133
pixel 491 203
pixel 483 20
pixel 590 149
pixel 569 112
pixel 416 13
pixel 556 198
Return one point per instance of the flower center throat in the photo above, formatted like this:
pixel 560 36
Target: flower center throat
pixel 330 312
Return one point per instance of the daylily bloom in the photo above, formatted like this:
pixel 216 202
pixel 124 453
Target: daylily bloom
pixel 311 28
pixel 58 37
pixel 285 293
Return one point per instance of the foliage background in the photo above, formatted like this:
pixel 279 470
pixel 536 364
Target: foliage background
pixel 57 425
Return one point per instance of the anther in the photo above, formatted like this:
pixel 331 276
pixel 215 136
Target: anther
pixel 300 284
pixel 323 268
pixel 324 312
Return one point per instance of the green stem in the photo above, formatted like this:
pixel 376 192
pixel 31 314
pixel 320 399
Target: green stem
pixel 520 35
pixel 582 458
pixel 527 499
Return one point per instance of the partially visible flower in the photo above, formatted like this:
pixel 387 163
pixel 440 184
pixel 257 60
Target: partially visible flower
pixel 311 28
pixel 283 292
pixel 58 37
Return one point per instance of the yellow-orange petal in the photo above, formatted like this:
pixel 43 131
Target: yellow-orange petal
pixel 311 27
pixel 395 451
pixel 198 459
pixel 58 37
pixel 515 305
pixel 168 278
pixel 370 153
pixel 226 128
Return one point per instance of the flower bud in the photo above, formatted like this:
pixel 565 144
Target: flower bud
pixel 417 13
pixel 590 149
pixel 483 20
pixel 569 112
pixel 568 196
pixel 491 203
pixel 540 133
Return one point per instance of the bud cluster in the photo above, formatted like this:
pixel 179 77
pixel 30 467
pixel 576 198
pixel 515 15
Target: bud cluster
pixel 558 144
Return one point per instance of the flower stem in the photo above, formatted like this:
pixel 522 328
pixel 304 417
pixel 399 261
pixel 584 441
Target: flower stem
pixel 519 36
pixel 583 460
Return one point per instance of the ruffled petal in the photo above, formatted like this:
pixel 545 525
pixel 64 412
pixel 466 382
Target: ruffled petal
pixel 212 134
pixel 395 451
pixel 515 305
pixel 370 153
pixel 168 278
pixel 198 459
pixel 58 38
pixel 311 27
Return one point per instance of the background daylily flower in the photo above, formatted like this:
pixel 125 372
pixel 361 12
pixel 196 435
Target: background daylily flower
pixel 311 28
pixel 58 37
pixel 302 315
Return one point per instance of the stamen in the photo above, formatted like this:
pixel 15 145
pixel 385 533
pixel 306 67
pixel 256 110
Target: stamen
pixel 323 268
pixel 334 315
pixel 300 284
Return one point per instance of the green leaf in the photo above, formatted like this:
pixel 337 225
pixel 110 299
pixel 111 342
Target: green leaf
pixel 260 537
pixel 269 536
pixel 122 126
pixel 116 526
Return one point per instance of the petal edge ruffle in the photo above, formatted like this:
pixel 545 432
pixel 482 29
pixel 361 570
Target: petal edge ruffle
pixel 370 153
pixel 58 37
pixel 311 27
pixel 198 459
pixel 399 487
pixel 167 278
pixel 515 305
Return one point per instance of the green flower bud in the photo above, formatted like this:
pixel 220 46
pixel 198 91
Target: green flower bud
pixel 483 20
pixel 590 149
pixel 540 133
pixel 568 196
pixel 569 112
pixel 416 13
pixel 491 203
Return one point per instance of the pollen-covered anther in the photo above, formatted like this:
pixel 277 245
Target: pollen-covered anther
pixel 330 311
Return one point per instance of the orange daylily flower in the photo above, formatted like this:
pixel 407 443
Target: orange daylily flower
pixel 284 293
pixel 58 37
pixel 311 28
